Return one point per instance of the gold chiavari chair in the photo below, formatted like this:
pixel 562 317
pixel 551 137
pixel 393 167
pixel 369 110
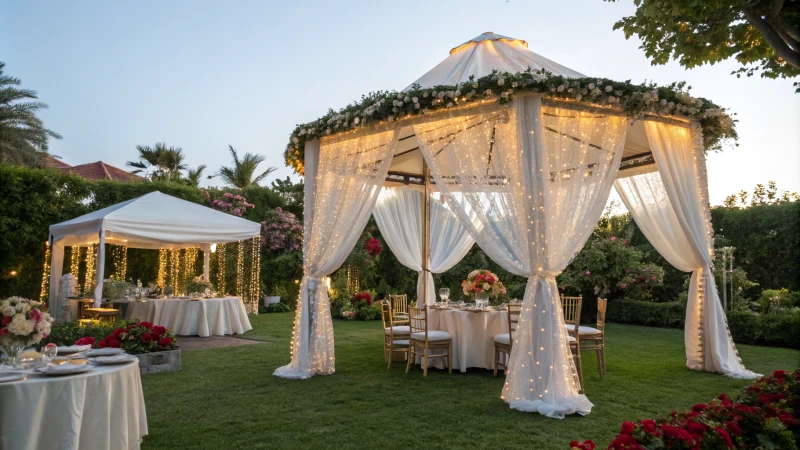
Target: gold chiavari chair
pixel 399 308
pixel 395 338
pixel 571 307
pixel 421 336
pixel 595 338
pixel 503 342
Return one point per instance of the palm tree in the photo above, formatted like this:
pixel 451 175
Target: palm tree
pixel 242 174
pixel 165 163
pixel 23 137
pixel 193 175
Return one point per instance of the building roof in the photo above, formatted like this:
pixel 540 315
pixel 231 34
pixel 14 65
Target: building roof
pixel 93 171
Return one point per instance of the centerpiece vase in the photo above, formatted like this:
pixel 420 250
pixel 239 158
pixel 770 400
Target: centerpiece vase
pixel 13 351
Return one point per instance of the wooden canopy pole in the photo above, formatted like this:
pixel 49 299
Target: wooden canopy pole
pixel 426 239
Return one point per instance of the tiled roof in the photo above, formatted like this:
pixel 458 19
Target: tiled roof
pixel 101 171
pixel 50 161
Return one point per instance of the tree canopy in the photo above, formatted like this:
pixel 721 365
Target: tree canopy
pixel 762 35
pixel 243 172
pixel 24 140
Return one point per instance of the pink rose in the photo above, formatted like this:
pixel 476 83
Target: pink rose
pixel 623 285
pixel 588 272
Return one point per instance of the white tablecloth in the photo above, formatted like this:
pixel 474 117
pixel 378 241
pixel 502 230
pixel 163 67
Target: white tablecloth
pixel 100 409
pixel 473 336
pixel 207 317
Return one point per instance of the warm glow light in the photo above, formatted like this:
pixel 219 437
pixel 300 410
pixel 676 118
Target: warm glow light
pixel 213 248
pixel 13 273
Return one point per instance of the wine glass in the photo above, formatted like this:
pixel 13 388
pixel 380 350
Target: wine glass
pixel 444 294
pixel 49 352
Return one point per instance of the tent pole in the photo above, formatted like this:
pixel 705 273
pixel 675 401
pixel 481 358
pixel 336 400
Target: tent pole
pixel 426 225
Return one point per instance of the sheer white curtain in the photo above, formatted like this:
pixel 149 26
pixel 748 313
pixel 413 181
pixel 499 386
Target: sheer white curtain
pixel 398 214
pixel 343 176
pixel 537 179
pixel 671 208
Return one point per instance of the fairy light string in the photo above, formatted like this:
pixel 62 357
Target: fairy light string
pixel 44 293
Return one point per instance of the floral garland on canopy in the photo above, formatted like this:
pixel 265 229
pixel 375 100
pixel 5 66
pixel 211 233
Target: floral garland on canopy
pixel 635 100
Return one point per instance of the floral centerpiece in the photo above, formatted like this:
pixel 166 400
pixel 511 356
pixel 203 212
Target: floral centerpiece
pixel 23 322
pixel 140 337
pixel 483 282
pixel 198 286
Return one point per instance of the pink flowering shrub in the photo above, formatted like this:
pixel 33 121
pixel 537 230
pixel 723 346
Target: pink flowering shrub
pixel 281 232
pixel 229 203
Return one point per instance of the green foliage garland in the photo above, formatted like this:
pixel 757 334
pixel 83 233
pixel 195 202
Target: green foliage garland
pixel 632 99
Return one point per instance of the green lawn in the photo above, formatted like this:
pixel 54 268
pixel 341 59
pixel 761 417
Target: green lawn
pixel 228 398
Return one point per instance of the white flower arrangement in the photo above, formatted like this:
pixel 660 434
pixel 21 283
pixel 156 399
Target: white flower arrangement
pixel 23 321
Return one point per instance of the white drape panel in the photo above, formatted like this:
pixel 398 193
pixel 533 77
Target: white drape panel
pixel 671 208
pixel 537 180
pixel 100 266
pixel 343 177
pixel 398 214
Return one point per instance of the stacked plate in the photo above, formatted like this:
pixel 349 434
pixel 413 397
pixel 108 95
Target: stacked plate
pixel 65 369
pixel 115 359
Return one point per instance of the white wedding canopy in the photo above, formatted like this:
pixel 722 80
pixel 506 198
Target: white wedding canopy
pixel 152 221
pixel 528 179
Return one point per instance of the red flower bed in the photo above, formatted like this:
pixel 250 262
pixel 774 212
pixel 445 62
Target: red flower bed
pixel 765 415
pixel 140 337
pixel 364 297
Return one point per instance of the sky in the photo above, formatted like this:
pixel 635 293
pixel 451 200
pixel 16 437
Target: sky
pixel 203 75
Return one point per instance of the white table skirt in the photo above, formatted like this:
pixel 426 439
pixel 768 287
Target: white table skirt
pixel 473 336
pixel 206 317
pixel 100 409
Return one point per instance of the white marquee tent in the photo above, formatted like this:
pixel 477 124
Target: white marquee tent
pixel 527 174
pixel 152 221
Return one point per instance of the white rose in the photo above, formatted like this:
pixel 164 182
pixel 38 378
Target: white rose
pixel 560 88
pixel 578 97
pixel 590 86
pixel 457 93
pixel 356 120
pixel 501 81
pixel 20 326
pixel 416 105
pixel 7 310
pixel 424 95
pixel 295 140
pixel 609 88
pixel 514 84
pixel 474 85
pixel 415 99
pixel 441 94
pixel 663 102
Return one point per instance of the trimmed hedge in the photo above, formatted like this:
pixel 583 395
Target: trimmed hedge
pixel 779 329
pixel 652 314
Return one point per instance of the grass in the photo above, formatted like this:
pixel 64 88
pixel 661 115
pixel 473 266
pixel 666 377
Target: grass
pixel 227 398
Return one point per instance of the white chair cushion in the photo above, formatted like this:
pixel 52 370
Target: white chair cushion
pixel 401 342
pixel 398 331
pixel 503 339
pixel 583 330
pixel 433 335
pixel 571 338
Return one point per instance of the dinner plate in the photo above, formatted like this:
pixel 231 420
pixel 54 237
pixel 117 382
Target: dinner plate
pixel 108 351
pixel 64 369
pixel 67 350
pixel 11 376
pixel 116 359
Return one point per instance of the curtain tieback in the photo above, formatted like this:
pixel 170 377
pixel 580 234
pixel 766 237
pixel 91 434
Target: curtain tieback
pixel 543 274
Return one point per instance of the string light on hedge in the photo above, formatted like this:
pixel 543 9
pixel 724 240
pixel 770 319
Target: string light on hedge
pixel 44 293
pixel 161 279
pixel 221 272
pixel 91 268
pixel 74 261
pixel 240 270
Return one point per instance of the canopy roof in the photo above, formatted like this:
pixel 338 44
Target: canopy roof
pixel 155 220
pixel 481 55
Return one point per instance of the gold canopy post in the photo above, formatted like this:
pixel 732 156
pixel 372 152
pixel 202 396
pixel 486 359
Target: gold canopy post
pixel 426 238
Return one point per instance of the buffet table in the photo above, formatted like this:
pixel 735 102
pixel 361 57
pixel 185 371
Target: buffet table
pixel 197 317
pixel 99 409
pixel 473 336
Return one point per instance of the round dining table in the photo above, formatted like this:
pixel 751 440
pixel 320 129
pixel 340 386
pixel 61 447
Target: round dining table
pixel 193 317
pixel 99 409
pixel 473 336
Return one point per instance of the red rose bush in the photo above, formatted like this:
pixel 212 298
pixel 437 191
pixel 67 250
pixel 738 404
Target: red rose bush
pixel 139 337
pixel 765 415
